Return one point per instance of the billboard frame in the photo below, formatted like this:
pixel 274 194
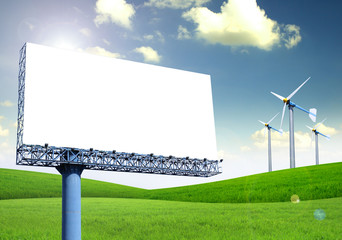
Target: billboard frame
pixel 54 156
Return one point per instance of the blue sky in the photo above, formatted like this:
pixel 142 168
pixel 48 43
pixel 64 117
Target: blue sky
pixel 248 47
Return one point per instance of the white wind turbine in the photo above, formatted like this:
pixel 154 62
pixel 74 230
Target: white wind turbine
pixel 287 101
pixel 268 127
pixel 314 131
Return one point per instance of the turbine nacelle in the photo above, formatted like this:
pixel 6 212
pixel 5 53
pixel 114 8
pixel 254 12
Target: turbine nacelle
pixel 268 126
pixel 287 101
pixel 314 130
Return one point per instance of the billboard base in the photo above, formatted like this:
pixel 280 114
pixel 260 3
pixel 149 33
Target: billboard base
pixel 71 200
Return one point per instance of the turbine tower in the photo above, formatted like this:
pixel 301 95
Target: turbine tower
pixel 287 102
pixel 267 125
pixel 314 131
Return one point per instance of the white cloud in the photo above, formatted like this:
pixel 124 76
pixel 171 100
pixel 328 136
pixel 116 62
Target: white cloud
pixel 183 33
pixel 157 36
pixel 327 130
pixel 175 4
pixel 3 132
pixel 150 55
pixel 6 103
pixel 101 51
pixel 241 23
pixel 115 11
pixel 160 36
pixel 86 32
pixel 291 37
pixel 302 139
pixel 245 149
pixel 148 37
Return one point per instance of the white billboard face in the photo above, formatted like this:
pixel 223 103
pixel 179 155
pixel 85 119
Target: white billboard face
pixel 74 99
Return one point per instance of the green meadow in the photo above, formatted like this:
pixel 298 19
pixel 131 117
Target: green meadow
pixel 253 207
pixel 119 218
pixel 309 183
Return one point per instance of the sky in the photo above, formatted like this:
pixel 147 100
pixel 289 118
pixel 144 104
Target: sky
pixel 248 47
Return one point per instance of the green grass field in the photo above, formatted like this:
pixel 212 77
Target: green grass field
pixel 252 207
pixel 110 218
pixel 309 183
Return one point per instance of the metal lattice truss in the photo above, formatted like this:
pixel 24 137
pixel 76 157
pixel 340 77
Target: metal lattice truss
pixel 49 156
pixel 21 96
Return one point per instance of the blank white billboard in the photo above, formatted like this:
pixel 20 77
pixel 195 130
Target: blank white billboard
pixel 74 99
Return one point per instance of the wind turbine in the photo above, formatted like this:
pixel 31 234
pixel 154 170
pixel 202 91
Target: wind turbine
pixel 267 125
pixel 287 101
pixel 314 131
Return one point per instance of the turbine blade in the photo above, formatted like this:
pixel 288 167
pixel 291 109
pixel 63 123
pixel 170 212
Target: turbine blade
pixel 281 132
pixel 272 118
pixel 318 124
pixel 295 91
pixel 278 96
pixel 313 114
pixel 262 122
pixel 309 127
pixel 282 117
pixel 327 136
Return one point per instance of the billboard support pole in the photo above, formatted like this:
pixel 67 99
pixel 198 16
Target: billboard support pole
pixel 71 200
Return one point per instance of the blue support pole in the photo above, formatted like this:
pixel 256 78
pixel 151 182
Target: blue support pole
pixel 71 201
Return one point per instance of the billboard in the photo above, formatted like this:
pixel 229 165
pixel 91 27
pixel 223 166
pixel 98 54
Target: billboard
pixel 75 99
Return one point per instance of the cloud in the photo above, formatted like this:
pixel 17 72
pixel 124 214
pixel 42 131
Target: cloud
pixel 3 132
pixel 101 51
pixel 86 32
pixel 115 11
pixel 148 37
pixel 245 149
pixel 291 37
pixel 241 23
pixel 302 139
pixel 150 55
pixel 175 4
pixel 183 33
pixel 157 36
pixel 327 130
pixel 6 103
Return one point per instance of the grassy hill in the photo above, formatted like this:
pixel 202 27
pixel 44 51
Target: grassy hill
pixel 15 184
pixel 140 219
pixel 312 182
pixel 205 211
